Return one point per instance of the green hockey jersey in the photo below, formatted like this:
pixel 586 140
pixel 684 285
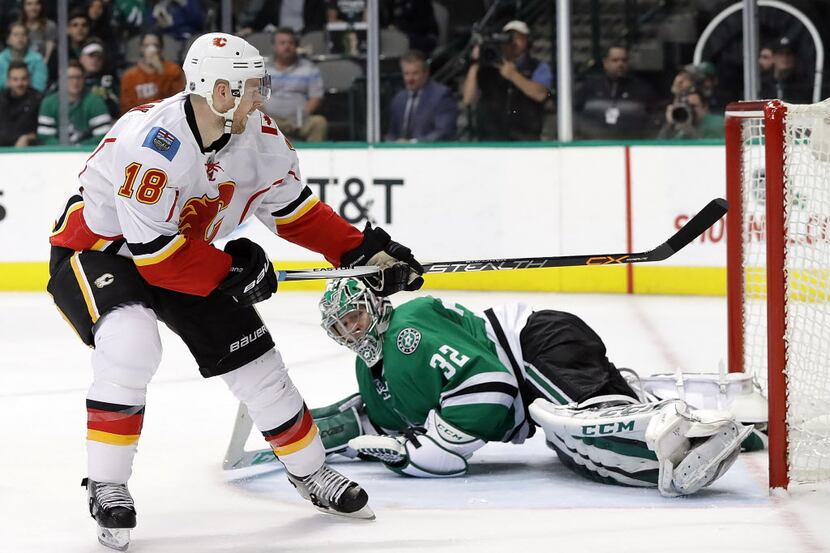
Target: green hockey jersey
pixel 89 120
pixel 443 356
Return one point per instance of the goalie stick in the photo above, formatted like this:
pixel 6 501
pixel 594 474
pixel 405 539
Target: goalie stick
pixel 237 457
pixel 696 226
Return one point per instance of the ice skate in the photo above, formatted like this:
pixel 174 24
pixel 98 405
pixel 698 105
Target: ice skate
pixel 333 493
pixel 112 507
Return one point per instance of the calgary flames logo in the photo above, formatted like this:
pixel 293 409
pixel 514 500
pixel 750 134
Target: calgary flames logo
pixel 196 220
pixel 220 41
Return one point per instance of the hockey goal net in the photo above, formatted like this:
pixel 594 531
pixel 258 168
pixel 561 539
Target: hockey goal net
pixel 778 266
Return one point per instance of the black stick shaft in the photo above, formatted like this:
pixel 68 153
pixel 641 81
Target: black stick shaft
pixel 696 226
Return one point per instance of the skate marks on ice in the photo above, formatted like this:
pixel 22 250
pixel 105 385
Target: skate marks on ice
pixel 527 476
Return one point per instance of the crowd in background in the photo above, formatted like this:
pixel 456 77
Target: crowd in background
pixel 124 53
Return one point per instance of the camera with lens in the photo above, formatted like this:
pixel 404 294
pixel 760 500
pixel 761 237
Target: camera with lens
pixel 491 47
pixel 682 113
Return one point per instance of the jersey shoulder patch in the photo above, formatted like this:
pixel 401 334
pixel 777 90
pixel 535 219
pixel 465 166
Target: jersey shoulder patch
pixel 163 142
pixel 407 340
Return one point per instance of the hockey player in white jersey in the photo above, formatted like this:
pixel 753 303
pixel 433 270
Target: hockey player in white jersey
pixel 440 381
pixel 133 247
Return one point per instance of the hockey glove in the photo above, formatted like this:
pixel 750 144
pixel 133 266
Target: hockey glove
pixel 252 278
pixel 398 268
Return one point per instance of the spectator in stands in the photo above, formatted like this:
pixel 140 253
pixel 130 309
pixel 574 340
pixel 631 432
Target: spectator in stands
pixel 349 11
pixel 296 91
pixel 78 31
pixel 765 59
pixel 301 15
pixel 766 70
pixel 19 105
pixel 686 79
pixel 613 104
pixel 789 82
pixel 101 23
pixel 128 15
pixel 43 33
pixel 17 49
pixel 709 86
pixel 415 18
pixel 425 110
pixel 153 77
pixel 89 119
pixel 180 19
pixel 98 80
pixel 690 117
pixel 508 88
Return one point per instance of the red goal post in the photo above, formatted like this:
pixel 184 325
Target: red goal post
pixel 778 275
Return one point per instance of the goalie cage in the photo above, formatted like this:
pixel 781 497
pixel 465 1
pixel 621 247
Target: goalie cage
pixel 778 275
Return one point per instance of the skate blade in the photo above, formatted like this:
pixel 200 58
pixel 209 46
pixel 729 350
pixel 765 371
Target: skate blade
pixel 365 513
pixel 114 538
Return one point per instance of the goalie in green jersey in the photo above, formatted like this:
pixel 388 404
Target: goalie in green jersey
pixel 437 381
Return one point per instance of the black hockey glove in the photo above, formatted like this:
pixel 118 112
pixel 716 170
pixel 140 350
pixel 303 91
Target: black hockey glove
pixel 252 278
pixel 398 268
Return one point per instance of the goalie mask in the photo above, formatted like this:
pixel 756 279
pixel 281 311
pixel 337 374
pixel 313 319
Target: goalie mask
pixel 353 316
pixel 220 56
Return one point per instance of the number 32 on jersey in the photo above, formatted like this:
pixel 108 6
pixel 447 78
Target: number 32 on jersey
pixel 448 367
pixel 149 189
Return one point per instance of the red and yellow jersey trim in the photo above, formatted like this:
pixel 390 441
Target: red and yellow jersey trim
pixel 160 255
pixel 71 231
pixel 312 224
pixel 181 264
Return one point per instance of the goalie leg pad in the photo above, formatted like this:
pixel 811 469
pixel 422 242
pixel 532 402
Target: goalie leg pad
pixel 605 443
pixel 340 422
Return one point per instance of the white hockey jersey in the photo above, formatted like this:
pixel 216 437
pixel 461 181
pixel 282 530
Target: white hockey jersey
pixel 153 192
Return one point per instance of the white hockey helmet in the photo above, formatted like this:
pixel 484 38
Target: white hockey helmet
pixel 347 300
pixel 220 56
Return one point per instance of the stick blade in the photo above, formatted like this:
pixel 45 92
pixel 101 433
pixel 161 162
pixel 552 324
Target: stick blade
pixel 696 226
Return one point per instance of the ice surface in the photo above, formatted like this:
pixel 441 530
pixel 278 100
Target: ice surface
pixel 516 498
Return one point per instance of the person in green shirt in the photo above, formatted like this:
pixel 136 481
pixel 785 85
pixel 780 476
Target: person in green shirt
pixel 89 119
pixel 689 118
pixel 437 381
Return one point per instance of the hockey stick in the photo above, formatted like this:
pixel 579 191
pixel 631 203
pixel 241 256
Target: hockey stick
pixel 237 457
pixel 696 226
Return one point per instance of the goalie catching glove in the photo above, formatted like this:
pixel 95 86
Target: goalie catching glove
pixel 398 268
pixel 252 278
pixel 439 451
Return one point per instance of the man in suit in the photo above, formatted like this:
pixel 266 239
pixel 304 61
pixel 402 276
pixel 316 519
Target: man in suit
pixel 424 111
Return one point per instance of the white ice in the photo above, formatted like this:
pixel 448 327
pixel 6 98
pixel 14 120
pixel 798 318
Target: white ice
pixel 516 498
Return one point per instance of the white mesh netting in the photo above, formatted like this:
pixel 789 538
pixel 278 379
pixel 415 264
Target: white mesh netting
pixel 807 265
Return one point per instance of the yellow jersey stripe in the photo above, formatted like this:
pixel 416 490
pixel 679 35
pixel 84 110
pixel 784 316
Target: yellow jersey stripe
pixel 69 212
pixel 302 210
pixel 302 443
pixel 161 255
pixel 83 284
pixel 112 439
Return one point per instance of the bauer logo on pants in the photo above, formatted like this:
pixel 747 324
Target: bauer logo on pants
pixel 408 340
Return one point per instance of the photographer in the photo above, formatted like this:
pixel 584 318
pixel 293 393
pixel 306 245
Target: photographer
pixel 507 86
pixel 689 118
